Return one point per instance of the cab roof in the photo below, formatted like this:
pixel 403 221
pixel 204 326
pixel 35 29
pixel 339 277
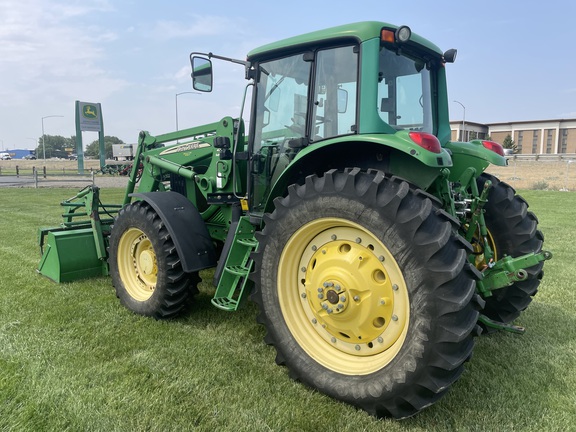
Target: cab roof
pixel 360 32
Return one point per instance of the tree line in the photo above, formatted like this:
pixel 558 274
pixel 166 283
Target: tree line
pixel 57 146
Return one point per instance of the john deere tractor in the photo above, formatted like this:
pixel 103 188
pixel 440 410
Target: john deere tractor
pixel 375 247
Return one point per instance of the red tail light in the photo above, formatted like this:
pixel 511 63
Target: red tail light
pixel 494 146
pixel 426 141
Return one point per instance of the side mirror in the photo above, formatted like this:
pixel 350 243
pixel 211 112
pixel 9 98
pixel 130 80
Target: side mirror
pixel 201 74
pixel 450 55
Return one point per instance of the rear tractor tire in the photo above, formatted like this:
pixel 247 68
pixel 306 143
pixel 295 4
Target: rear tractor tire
pixel 513 231
pixel 145 268
pixel 366 292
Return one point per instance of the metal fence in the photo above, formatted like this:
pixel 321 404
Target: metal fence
pixel 41 177
pixel 564 157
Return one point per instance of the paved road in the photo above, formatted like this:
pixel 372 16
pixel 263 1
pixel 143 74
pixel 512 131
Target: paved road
pixel 7 181
pixel 28 181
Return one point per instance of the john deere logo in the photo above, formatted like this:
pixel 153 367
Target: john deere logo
pixel 90 111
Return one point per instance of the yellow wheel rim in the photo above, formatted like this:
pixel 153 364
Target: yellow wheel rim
pixel 343 296
pixel 137 264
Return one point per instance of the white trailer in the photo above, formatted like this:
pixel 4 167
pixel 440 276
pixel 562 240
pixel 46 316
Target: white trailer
pixel 123 152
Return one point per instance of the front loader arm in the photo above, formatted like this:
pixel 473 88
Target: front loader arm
pixel 145 142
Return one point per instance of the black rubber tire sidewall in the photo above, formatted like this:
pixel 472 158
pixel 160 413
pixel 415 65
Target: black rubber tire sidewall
pixel 439 279
pixel 173 287
pixel 515 233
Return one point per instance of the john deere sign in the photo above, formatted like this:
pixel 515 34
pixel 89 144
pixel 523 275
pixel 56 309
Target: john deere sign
pixel 89 117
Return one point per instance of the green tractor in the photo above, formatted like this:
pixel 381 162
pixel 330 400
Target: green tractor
pixel 374 246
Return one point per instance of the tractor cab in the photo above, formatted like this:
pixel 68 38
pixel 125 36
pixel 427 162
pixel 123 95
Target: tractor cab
pixel 372 85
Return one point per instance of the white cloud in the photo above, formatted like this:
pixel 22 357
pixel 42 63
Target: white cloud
pixel 194 27
pixel 50 57
pixel 183 74
pixel 41 49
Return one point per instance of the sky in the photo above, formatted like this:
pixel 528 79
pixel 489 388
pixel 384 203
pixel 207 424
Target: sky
pixel 516 59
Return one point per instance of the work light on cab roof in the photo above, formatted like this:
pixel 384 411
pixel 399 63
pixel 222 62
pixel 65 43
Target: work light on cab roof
pixel 401 34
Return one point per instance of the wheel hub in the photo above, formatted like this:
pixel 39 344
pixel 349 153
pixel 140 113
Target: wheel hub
pixel 349 291
pixel 137 264
pixel 147 261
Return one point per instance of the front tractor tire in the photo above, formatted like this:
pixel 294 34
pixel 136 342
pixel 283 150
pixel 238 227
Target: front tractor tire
pixel 366 292
pixel 145 268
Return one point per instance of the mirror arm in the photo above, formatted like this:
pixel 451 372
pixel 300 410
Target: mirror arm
pixel 210 55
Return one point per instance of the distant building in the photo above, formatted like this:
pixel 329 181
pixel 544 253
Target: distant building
pixel 20 153
pixel 531 137
pixel 468 131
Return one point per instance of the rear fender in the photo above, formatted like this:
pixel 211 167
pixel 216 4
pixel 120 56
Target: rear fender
pixel 186 227
pixel 392 154
pixel 471 155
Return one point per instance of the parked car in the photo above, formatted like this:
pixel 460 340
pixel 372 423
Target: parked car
pixel 5 156
pixel 29 157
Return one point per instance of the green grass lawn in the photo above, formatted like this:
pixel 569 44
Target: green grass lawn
pixel 73 359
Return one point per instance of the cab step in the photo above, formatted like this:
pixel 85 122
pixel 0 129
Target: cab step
pixel 234 282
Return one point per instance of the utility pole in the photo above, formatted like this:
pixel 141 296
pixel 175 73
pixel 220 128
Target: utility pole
pixel 178 94
pixel 43 146
pixel 463 121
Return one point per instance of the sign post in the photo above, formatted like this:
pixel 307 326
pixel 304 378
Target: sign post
pixel 89 118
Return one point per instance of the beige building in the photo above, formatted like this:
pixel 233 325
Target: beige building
pixel 530 137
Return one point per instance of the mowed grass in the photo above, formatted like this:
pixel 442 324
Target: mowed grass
pixel 73 359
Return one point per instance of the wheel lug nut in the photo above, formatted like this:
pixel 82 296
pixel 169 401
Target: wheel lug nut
pixel 358 240
pixel 342 299
pixel 338 287
pixel 394 318
pixel 303 295
pixel 356 298
pixel 340 306
pixel 303 269
pixel 395 287
pixel 380 339
pixel 320 290
pixel 320 296
pixel 333 237
pixel 328 284
pixel 357 347
pixel 333 340
pixel 381 258
pixel 329 311
pixel 324 306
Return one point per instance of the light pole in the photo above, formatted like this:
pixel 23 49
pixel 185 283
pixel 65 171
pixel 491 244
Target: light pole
pixel 463 119
pixel 176 97
pixel 43 147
